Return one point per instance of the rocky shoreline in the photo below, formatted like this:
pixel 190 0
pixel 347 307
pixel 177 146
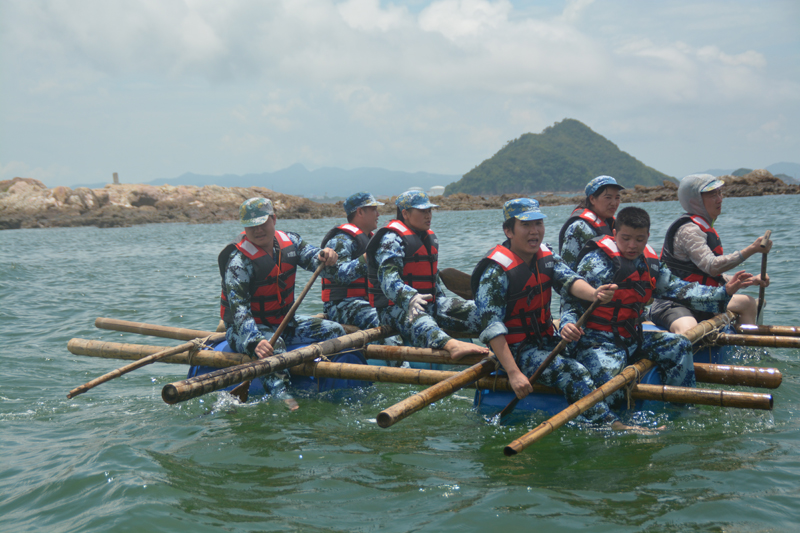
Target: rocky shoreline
pixel 28 203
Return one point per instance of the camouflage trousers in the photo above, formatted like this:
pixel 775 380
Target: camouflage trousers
pixel 604 357
pixel 357 312
pixel 300 330
pixel 426 331
pixel 353 311
pixel 564 373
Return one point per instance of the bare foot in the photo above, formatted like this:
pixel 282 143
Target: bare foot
pixel 619 426
pixel 459 349
pixel 292 404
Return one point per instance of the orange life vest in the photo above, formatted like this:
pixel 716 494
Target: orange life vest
pixel 420 264
pixel 272 286
pixel 334 292
pixel 599 226
pixel 527 316
pixel 622 314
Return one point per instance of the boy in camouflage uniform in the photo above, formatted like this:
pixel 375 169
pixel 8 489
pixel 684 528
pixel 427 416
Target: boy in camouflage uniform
pixel 344 289
pixel 402 260
pixel 613 337
pixel 258 274
pixel 512 287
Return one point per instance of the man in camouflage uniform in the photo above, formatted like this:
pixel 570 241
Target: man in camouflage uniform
pixel 402 260
pixel 594 216
pixel 344 289
pixel 512 287
pixel 609 343
pixel 258 283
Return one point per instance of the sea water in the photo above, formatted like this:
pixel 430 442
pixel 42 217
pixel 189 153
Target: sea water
pixel 119 459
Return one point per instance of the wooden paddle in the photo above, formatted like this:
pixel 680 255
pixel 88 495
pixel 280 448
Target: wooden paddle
pixel 457 282
pixel 241 390
pixel 142 362
pixel 764 241
pixel 542 367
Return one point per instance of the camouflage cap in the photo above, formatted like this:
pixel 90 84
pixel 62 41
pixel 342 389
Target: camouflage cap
pixel 600 181
pixel 360 199
pixel 523 209
pixel 255 211
pixel 414 200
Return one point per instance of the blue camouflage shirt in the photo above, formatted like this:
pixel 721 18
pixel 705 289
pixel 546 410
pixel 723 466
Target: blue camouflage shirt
pixel 575 237
pixel 390 257
pixel 240 270
pixel 491 298
pixel 598 269
pixel 348 268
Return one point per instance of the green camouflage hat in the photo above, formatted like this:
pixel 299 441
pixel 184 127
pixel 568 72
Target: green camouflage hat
pixel 415 200
pixel 255 211
pixel 360 199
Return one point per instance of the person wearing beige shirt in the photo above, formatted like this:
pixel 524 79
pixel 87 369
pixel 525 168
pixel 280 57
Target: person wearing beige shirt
pixel 693 251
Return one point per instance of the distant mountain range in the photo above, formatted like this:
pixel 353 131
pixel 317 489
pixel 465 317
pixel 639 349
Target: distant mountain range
pixel 564 157
pixel 788 172
pixel 317 184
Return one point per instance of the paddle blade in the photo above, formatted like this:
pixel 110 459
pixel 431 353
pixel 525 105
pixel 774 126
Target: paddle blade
pixel 241 391
pixel 457 282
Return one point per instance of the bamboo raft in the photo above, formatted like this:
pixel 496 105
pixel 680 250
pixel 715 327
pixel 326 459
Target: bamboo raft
pixel 309 361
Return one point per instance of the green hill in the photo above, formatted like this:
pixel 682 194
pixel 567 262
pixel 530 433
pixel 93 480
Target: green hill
pixel 564 157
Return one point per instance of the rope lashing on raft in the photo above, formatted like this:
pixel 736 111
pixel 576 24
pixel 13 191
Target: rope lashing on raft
pixel 630 386
pixel 710 339
pixel 497 367
pixel 197 345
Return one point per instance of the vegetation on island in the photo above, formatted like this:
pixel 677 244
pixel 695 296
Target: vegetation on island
pixel 563 158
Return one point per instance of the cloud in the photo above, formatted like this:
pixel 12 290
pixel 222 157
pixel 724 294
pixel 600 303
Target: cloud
pixel 421 85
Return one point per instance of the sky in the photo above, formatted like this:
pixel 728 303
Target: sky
pixel 152 89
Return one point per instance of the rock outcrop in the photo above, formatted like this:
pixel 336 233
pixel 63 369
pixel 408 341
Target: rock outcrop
pixel 28 203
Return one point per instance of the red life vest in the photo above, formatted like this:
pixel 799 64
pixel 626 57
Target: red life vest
pixel 621 315
pixel 420 264
pixel 687 270
pixel 334 292
pixel 529 292
pixel 272 286
pixel 599 226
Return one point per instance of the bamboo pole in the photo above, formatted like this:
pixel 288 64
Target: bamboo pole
pixel 193 387
pixel 627 375
pixel 152 330
pixel 769 341
pixel 745 376
pixel 134 352
pixel 408 376
pixel 617 382
pixel 752 329
pixel 720 398
pixel 142 362
pixel 417 355
pixel 412 376
pixel 412 404
pixel 708 326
